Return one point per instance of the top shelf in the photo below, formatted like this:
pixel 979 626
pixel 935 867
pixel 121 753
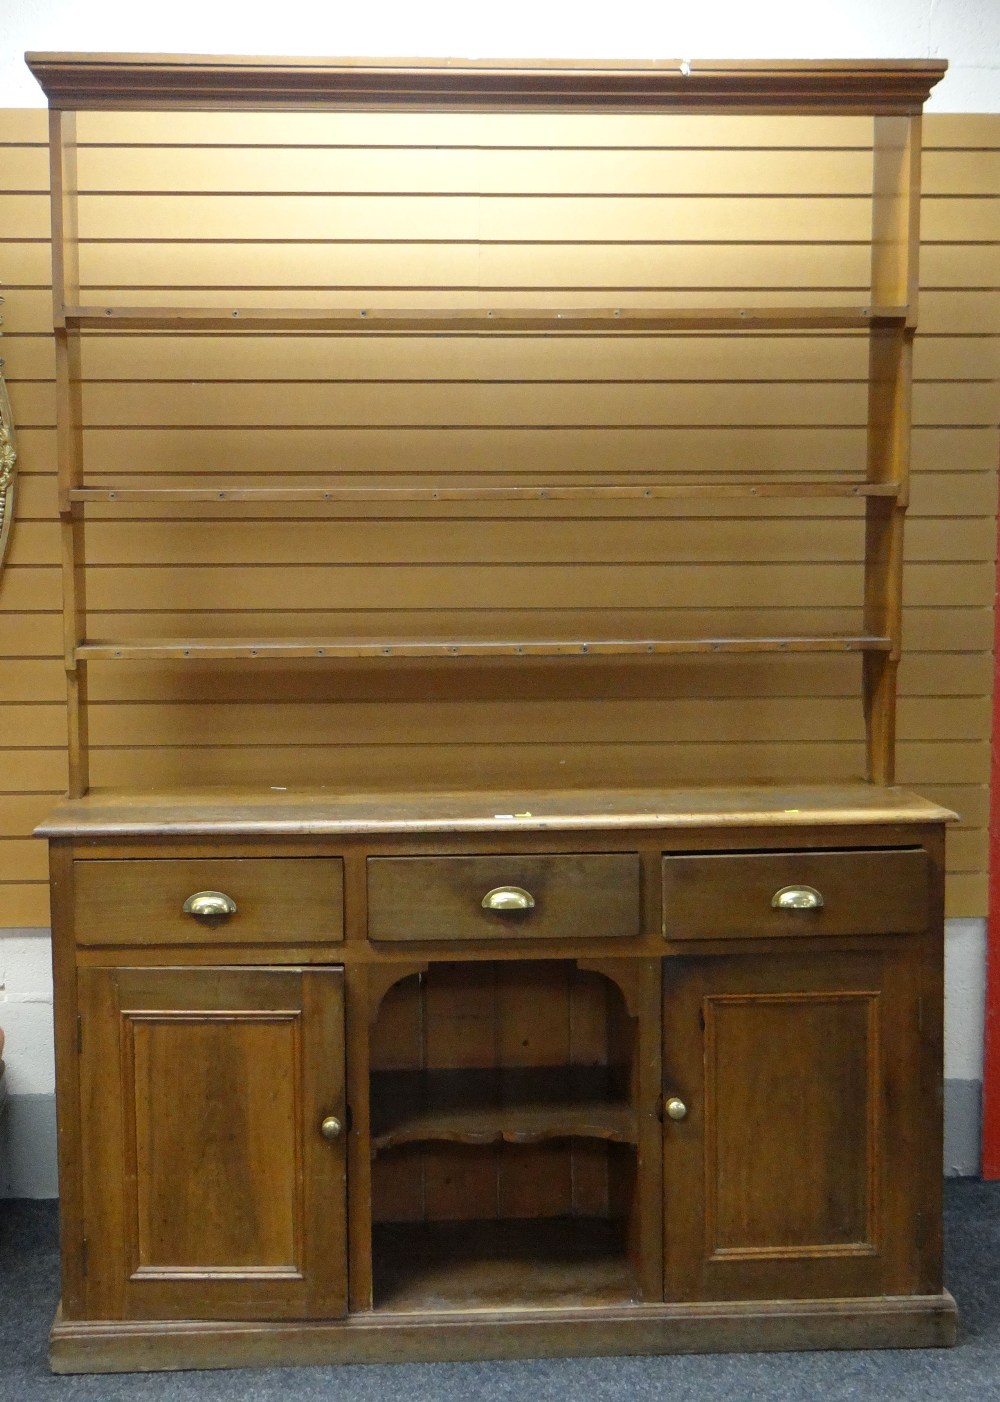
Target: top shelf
pixel 156 82
pixel 614 320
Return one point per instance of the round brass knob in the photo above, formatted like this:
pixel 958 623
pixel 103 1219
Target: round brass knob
pixel 508 898
pixel 675 1108
pixel 210 905
pixel 331 1127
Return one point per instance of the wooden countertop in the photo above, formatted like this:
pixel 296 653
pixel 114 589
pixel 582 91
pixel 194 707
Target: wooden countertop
pixel 292 811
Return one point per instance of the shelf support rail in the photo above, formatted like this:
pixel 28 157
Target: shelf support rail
pixel 894 275
pixel 69 436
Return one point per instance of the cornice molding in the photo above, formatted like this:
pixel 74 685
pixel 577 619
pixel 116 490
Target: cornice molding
pixel 135 82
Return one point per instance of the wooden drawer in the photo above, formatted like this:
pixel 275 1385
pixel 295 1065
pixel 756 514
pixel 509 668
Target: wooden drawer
pixel 284 900
pixel 729 894
pixel 576 896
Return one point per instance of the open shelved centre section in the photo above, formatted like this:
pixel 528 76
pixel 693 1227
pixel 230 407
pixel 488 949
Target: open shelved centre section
pixel 592 370
pixel 516 1081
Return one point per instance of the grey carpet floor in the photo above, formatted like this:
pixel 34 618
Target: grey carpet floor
pixel 968 1373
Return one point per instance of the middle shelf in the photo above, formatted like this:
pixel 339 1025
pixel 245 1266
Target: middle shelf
pixel 486 1105
pixel 599 491
pixel 206 649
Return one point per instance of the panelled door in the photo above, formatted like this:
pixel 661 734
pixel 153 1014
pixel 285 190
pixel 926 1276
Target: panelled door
pixel 213 1147
pixel 800 1157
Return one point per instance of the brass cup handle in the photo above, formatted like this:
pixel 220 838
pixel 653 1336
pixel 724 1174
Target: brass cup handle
pixel 210 905
pixel 331 1127
pixel 675 1108
pixel 508 898
pixel 797 898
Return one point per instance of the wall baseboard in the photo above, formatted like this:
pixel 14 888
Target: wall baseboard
pixel 28 1147
pixel 963 1118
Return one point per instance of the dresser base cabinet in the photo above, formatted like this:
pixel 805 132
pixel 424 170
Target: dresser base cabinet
pixel 646 1073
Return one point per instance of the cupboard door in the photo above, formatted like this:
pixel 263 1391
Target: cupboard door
pixel 800 1165
pixel 210 1190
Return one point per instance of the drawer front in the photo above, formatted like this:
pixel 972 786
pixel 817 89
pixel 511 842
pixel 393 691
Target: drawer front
pixel 284 900
pixel 728 895
pixel 590 895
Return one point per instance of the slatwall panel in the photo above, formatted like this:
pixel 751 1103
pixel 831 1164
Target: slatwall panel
pixel 437 210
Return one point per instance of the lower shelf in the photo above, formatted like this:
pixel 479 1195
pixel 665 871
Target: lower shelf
pixel 502 1264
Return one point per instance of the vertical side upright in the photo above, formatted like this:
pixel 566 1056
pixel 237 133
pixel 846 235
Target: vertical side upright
pixel 990 1164
pixel 69 434
pixel 894 282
